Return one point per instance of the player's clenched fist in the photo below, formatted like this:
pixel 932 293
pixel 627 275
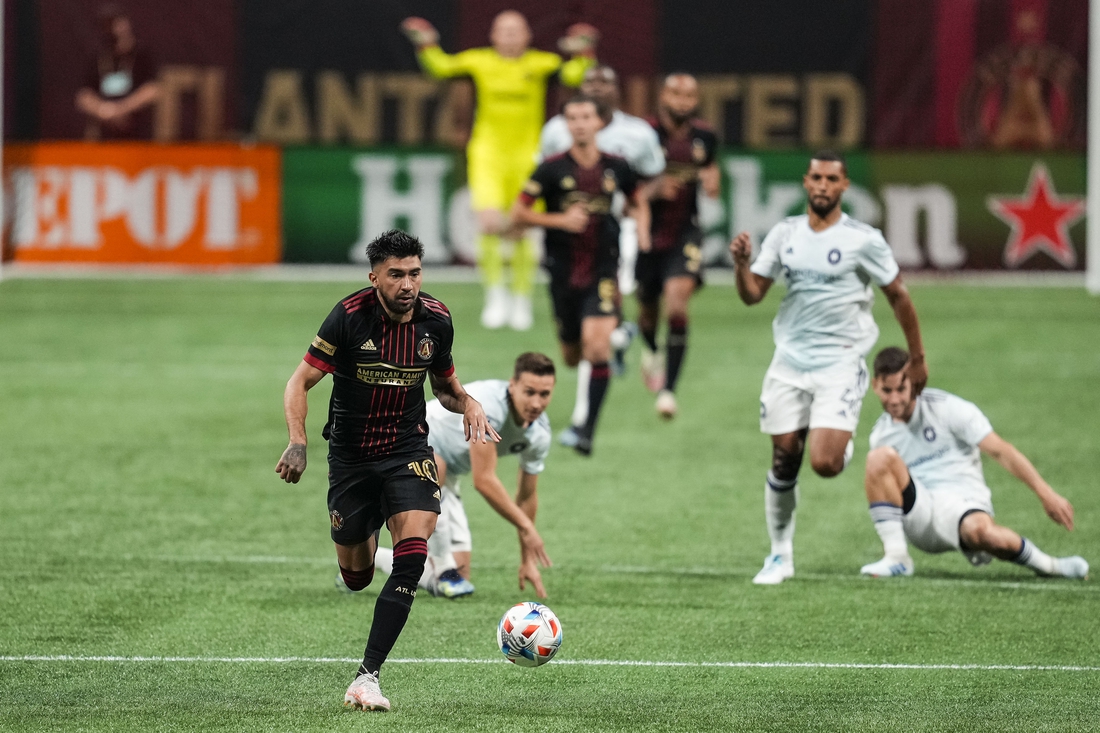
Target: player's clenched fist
pixel 575 218
pixel 741 248
pixel 420 32
pixel 580 39
pixel 292 464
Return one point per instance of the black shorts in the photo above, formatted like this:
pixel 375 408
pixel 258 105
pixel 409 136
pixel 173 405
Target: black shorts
pixel 684 260
pixel 362 495
pixel 573 305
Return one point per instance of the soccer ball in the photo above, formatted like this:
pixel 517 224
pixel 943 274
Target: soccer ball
pixel 529 634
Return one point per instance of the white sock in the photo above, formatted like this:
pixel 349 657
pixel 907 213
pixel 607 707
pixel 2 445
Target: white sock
pixel 887 519
pixel 580 406
pixel 780 499
pixel 383 560
pixel 1034 558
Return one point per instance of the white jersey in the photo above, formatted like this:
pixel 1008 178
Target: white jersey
pixel 825 317
pixel 939 444
pixel 446 437
pixel 626 136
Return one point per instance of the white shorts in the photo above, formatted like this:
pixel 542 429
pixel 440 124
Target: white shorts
pixel 452 527
pixel 932 524
pixel 824 398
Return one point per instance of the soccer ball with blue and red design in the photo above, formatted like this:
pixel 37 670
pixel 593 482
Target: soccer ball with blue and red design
pixel 529 634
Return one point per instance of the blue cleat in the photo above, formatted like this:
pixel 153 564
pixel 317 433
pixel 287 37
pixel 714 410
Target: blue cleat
pixel 452 585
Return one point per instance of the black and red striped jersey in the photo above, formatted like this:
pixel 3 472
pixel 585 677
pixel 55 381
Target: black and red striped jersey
pixel 378 369
pixel 582 258
pixel 684 156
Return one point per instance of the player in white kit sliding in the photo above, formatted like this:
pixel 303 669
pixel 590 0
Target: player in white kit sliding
pixel 814 387
pixel 517 410
pixel 925 482
pixel 635 140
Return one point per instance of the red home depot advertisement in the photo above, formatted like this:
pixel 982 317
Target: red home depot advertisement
pixel 143 203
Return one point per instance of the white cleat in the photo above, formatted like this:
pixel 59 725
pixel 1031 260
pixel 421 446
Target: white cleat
pixel 522 316
pixel 1072 567
pixel 888 568
pixel 364 694
pixel 777 568
pixel 666 404
pixel 497 304
pixel 653 370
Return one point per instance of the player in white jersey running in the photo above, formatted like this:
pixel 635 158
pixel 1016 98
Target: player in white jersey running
pixel 635 140
pixel 925 482
pixel 517 410
pixel 814 387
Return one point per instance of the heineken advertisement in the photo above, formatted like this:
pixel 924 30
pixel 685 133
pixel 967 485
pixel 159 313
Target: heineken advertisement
pixel 939 211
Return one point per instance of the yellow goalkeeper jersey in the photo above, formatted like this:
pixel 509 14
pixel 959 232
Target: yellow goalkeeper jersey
pixel 511 92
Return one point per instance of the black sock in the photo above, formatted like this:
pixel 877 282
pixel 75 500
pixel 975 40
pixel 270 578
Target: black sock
pixel 597 388
pixel 677 345
pixel 650 336
pixel 357 580
pixel 391 610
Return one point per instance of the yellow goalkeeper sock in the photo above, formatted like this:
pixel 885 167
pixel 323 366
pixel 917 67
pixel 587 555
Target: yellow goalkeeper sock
pixel 524 267
pixel 490 259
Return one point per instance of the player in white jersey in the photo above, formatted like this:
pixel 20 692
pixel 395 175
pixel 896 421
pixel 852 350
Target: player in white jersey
pixel 517 410
pixel 635 140
pixel 924 480
pixel 815 384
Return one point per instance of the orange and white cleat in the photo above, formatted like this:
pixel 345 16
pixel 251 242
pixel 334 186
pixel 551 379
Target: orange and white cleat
pixel 653 370
pixel 365 694
pixel 666 404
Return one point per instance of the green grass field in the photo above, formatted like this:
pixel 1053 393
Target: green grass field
pixel 140 516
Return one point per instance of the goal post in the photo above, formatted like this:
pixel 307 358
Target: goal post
pixel 1092 162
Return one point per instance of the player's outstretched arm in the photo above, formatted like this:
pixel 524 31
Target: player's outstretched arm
pixel 433 59
pixel 292 464
pixel 527 499
pixel 450 393
pixel 751 287
pixel 898 296
pixel 483 464
pixel 1056 506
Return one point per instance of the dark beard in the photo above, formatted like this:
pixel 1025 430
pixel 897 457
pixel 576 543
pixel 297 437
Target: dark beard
pixel 823 212
pixel 395 307
pixel 680 119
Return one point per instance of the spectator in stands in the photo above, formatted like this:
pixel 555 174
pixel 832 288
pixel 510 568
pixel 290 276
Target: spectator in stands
pixel 120 86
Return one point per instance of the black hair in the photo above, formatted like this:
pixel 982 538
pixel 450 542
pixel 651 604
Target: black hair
pixel 602 110
pixel 532 362
pixel 394 244
pixel 831 155
pixel 890 360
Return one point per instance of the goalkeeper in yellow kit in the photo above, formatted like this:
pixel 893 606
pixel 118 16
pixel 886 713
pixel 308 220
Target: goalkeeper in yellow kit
pixel 510 80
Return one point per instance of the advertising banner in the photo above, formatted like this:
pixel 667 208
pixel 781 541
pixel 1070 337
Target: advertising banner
pixel 939 211
pixel 143 203
pixel 337 199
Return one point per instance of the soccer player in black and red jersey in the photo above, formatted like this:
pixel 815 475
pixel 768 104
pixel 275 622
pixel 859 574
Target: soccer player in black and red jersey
pixel 673 268
pixel 582 244
pixel 379 345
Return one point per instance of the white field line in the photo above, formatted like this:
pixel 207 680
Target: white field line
pixel 457 274
pixel 1031 585
pixel 559 662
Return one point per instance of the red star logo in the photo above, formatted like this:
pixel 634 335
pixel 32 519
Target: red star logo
pixel 1040 220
